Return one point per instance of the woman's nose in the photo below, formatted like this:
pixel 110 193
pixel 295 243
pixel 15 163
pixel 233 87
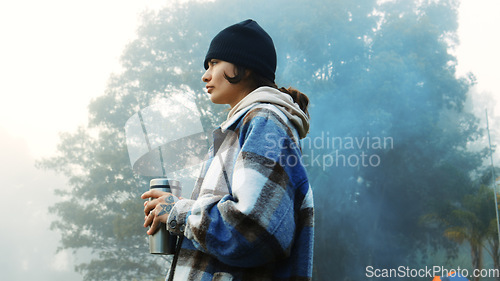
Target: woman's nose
pixel 206 77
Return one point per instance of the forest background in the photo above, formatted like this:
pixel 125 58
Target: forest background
pixel 373 71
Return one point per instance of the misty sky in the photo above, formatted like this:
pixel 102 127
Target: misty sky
pixel 56 55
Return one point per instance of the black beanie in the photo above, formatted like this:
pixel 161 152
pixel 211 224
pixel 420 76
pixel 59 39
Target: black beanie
pixel 245 44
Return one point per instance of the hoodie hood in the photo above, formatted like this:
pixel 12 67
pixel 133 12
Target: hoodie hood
pixel 282 101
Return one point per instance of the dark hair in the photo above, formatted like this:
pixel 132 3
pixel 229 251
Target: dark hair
pixel 258 80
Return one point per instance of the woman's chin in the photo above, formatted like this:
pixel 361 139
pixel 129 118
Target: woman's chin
pixel 215 100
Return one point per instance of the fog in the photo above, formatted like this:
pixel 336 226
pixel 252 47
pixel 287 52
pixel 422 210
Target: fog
pixel 354 171
pixel 29 247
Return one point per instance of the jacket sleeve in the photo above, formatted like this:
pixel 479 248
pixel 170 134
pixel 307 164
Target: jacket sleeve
pixel 255 224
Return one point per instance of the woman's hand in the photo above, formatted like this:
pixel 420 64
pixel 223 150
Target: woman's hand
pixel 158 209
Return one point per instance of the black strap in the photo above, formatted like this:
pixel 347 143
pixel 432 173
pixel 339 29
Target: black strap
pixel 176 256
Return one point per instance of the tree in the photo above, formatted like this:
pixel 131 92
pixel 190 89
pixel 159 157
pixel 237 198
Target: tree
pixel 372 71
pixel 405 88
pixel 473 221
pixel 102 212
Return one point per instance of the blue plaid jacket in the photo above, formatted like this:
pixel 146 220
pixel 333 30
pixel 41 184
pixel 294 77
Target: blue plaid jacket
pixel 251 215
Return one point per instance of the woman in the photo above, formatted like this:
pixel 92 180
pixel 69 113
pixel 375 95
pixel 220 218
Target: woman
pixel 250 216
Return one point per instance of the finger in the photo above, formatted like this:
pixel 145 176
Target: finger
pixel 148 219
pixel 153 193
pixel 149 206
pixel 147 194
pixel 154 226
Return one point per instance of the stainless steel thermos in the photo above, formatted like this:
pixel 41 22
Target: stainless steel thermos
pixel 162 242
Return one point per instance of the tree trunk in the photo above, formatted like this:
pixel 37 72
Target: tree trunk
pixel 496 257
pixel 477 259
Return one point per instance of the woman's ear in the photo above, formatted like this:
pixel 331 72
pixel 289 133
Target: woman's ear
pixel 248 72
pixel 236 71
pixel 248 79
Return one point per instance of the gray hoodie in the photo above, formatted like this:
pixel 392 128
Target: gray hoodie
pixel 282 101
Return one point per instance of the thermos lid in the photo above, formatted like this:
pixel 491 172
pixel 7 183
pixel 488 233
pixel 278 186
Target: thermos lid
pixel 165 182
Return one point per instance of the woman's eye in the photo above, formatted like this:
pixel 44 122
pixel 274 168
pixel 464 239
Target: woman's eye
pixel 213 62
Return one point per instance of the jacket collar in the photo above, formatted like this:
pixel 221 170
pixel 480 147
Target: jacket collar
pixel 228 123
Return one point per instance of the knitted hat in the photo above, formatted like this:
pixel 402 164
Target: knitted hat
pixel 245 44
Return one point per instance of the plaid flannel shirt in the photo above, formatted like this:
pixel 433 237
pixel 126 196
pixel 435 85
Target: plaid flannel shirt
pixel 251 213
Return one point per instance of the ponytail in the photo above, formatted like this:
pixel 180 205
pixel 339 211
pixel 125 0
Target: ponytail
pixel 298 97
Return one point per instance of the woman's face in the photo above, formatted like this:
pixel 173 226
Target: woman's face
pixel 220 90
